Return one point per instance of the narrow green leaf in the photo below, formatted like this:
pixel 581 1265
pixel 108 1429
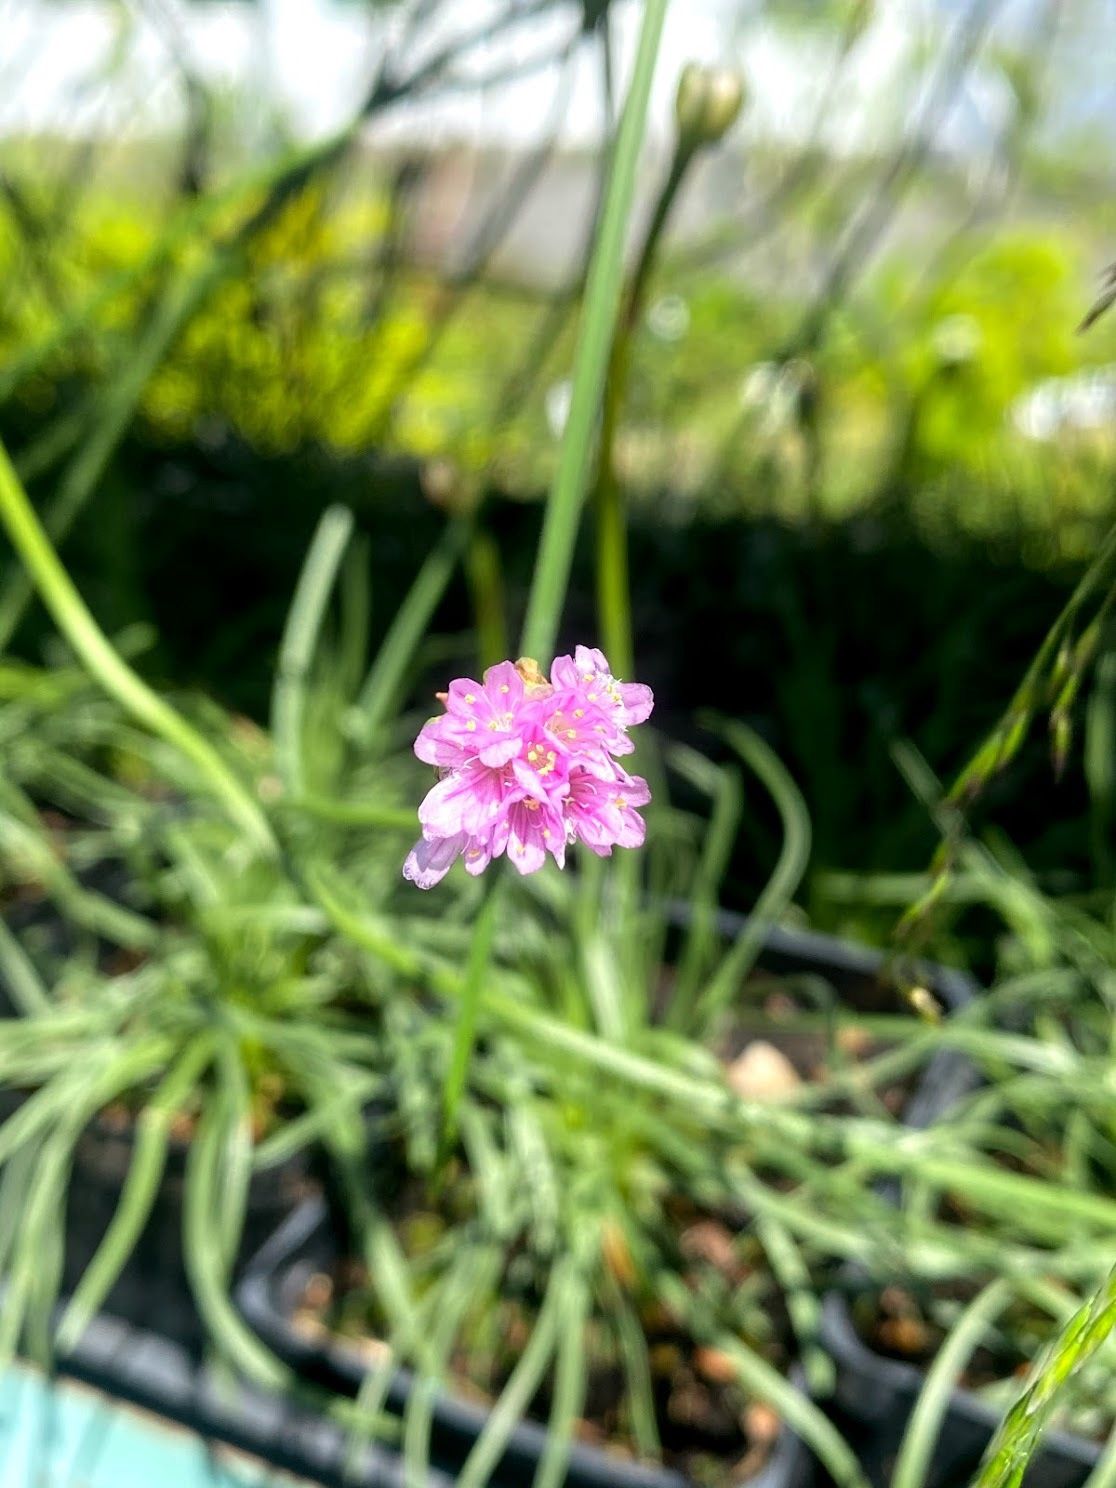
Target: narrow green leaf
pixel 602 304
pixel 300 639
pixel 921 1436
pixel 386 678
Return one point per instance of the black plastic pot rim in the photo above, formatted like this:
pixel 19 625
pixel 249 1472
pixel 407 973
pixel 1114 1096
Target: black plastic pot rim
pixel 263 1298
pixel 841 1339
pixel 948 1076
pixel 148 1371
pixel 947 1079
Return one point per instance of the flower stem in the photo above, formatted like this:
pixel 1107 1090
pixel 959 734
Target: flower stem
pixel 74 620
pixel 602 305
pixel 614 607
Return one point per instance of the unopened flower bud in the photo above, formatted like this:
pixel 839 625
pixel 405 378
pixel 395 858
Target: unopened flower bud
pixel 708 103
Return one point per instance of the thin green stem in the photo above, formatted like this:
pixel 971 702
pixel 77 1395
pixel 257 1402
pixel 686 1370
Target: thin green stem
pixel 602 306
pixel 74 620
pixel 482 568
pixel 613 587
pixel 300 639
pixel 925 1424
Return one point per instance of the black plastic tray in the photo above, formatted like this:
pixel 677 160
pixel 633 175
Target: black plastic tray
pixel 306 1244
pixel 269 1295
pixel 877 1396
pixel 148 1371
pixel 874 1396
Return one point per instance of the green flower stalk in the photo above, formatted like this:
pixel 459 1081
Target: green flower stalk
pixel 707 103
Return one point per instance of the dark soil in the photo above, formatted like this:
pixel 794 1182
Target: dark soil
pixel 709 1428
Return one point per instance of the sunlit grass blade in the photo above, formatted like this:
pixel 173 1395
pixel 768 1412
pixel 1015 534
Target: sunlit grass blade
pixel 387 676
pixel 300 639
pixel 602 303
pixel 571 1384
pixel 472 1274
pixel 235 1174
pixel 486 584
pixel 791 1270
pixel 723 786
pixel 1020 1433
pixel 18 975
pixel 921 1436
pixel 794 856
pixel 526 1377
pixel 69 1102
pixel 639 1385
pixel 33 1278
pixel 75 621
pixel 204 1248
pixel 368 1417
pixel 465 1031
pixel 355 601
pixel 145 1173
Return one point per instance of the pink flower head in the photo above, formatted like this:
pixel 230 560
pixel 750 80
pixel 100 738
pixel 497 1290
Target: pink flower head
pixel 526 767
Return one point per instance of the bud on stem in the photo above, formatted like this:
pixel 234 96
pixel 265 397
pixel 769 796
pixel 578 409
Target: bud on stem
pixel 707 104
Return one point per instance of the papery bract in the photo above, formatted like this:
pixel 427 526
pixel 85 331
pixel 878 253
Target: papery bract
pixel 527 766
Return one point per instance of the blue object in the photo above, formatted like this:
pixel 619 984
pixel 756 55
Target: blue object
pixel 59 1434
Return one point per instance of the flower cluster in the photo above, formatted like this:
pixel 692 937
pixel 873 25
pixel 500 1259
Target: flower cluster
pixel 528 765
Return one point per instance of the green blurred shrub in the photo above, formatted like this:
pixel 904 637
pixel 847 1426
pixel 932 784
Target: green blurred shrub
pixel 320 342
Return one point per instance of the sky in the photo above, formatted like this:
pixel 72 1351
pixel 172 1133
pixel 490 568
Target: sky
pixel 309 60
pixel 108 67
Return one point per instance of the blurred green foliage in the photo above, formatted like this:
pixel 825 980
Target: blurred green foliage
pixel 321 342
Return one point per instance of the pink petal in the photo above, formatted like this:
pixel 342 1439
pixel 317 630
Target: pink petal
pixel 532 833
pixel 501 752
pixel 563 673
pixel 462 697
pixel 436 745
pixel 637 700
pixel 465 801
pixel 591 660
pixel 478 855
pixel 429 861
pixel 504 685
